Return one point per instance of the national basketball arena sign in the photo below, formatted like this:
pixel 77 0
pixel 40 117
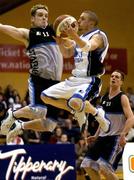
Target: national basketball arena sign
pixel 37 162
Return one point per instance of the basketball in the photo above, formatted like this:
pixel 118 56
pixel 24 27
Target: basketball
pixel 58 24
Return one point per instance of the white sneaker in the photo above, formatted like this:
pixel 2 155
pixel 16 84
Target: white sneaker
pixel 103 122
pixel 7 122
pixel 15 130
pixel 80 117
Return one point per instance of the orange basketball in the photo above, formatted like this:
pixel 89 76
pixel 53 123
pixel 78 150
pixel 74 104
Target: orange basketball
pixel 59 23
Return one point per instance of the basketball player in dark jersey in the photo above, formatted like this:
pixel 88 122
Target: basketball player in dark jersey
pixel 46 65
pixel 105 153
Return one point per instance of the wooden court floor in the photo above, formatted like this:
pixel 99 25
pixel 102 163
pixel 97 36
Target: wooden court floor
pixel 119 174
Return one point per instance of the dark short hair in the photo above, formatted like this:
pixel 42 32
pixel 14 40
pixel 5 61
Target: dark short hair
pixel 92 16
pixel 121 73
pixel 36 7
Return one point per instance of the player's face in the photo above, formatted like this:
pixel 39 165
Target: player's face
pixel 85 24
pixel 40 19
pixel 115 79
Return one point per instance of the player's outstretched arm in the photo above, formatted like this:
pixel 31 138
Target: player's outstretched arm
pixel 20 34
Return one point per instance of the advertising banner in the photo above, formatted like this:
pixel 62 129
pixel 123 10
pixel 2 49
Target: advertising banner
pixel 116 59
pixel 37 162
pixel 14 59
pixel 128 161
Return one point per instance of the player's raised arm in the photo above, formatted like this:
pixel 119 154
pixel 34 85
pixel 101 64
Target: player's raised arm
pixel 20 34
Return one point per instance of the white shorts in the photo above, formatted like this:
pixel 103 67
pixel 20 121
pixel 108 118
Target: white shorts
pixel 74 85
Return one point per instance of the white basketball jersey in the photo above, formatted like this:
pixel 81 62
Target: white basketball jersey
pixel 90 63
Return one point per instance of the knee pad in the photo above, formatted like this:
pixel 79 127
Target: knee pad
pixel 39 112
pixel 76 103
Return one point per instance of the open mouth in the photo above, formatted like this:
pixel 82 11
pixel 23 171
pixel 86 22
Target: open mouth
pixel 113 82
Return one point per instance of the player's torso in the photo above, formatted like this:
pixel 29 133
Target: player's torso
pixel 114 112
pixel 45 58
pixel 91 63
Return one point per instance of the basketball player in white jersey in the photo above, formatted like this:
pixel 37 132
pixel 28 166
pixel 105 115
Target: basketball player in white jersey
pixel 106 151
pixel 46 64
pixel 89 51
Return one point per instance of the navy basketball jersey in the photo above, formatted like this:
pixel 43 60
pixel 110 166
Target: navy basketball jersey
pixel 46 60
pixel 114 112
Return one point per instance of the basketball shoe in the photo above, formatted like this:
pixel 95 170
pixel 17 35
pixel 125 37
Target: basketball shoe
pixel 15 130
pixel 7 122
pixel 102 120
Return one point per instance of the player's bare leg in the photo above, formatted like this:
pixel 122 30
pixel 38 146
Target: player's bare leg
pixel 72 108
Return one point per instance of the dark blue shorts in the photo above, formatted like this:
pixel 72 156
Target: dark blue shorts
pixel 36 86
pixel 106 149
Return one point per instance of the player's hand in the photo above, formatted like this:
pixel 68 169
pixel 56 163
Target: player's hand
pixel 69 30
pixel 122 140
pixel 58 39
pixel 67 43
pixel 91 139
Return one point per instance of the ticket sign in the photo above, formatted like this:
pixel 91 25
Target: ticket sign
pixel 34 162
pixel 14 59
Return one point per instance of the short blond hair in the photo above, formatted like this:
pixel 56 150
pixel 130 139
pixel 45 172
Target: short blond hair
pixel 36 7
